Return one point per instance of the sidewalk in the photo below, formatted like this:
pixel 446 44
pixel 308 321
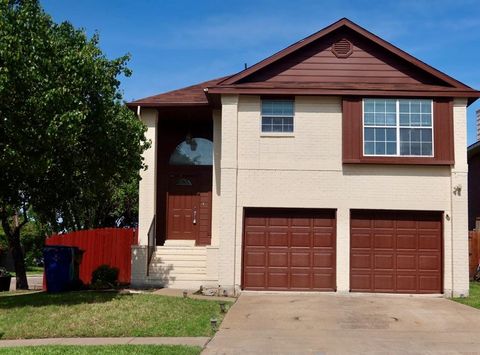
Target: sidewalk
pixel 35 282
pixel 189 341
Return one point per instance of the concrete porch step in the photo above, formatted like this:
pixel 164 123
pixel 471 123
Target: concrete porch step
pixel 177 270
pixel 179 258
pixel 178 263
pixel 179 277
pixel 180 250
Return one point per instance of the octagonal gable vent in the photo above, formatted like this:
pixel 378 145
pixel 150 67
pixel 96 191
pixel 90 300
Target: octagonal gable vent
pixel 342 48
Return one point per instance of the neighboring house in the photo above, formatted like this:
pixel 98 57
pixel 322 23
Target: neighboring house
pixel 474 181
pixel 336 164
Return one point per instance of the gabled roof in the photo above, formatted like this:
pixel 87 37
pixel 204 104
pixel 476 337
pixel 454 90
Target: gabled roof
pixel 432 82
pixel 344 22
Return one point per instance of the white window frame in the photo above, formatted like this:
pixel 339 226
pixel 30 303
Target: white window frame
pixel 277 134
pixel 397 127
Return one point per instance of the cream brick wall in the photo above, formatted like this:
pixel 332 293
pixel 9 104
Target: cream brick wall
pixel 459 243
pixel 147 189
pixel 306 170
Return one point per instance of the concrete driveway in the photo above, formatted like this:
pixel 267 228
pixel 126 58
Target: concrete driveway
pixel 326 323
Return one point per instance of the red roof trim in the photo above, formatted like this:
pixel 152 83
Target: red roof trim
pixel 329 29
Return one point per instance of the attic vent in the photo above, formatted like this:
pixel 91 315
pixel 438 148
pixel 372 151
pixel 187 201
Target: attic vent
pixel 342 49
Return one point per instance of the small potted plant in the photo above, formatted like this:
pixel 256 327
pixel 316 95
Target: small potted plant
pixel 5 278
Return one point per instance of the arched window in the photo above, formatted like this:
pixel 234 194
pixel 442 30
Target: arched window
pixel 193 151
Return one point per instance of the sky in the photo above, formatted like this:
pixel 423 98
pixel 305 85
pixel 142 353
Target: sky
pixel 178 43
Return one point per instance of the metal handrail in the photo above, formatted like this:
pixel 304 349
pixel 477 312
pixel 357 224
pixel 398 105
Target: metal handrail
pixel 152 242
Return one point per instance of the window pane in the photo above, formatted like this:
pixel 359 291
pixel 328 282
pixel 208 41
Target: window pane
pixel 380 134
pixel 277 107
pixel 415 149
pixel 426 148
pixel 391 135
pixel 380 119
pixel 369 148
pixel 404 106
pixel 369 119
pixel 277 115
pixel 404 149
pixel 404 135
pixel 415 119
pixel 426 106
pixel 426 135
pixel 266 128
pixel 380 148
pixel 379 105
pixel 391 119
pixel 369 105
pixel 415 135
pixel 369 134
pixel 195 151
pixel 426 119
pixel 391 148
pixel 414 107
pixel 404 119
pixel 391 106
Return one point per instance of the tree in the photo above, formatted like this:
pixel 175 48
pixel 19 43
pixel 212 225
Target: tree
pixel 66 139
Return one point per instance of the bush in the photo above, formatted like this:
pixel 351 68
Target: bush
pixel 104 277
pixel 4 272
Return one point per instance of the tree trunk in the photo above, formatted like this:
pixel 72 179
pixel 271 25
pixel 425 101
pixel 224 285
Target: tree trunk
pixel 19 260
pixel 13 237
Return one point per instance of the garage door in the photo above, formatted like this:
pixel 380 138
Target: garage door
pixel 289 250
pixel 393 251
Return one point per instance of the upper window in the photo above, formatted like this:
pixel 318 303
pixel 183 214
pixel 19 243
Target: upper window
pixel 397 127
pixel 193 151
pixel 277 115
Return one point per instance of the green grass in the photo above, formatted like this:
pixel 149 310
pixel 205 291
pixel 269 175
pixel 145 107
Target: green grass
pixel 473 299
pixel 104 349
pixel 103 314
pixel 32 271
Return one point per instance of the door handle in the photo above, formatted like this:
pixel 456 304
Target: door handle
pixel 194 216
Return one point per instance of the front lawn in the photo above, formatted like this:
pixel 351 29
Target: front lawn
pixel 32 271
pixel 105 349
pixel 473 299
pixel 103 314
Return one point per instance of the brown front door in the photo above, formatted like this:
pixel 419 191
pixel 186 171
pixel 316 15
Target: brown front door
pixel 189 205
pixel 289 249
pixel 396 251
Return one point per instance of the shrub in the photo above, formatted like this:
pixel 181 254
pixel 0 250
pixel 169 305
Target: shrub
pixel 4 272
pixel 104 277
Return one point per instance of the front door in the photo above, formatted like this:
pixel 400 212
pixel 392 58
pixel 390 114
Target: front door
pixel 183 199
pixel 189 206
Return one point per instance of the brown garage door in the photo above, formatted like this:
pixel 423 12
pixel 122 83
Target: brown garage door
pixel 395 251
pixel 289 250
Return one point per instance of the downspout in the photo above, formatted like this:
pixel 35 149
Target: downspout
pixel 236 212
pixel 451 231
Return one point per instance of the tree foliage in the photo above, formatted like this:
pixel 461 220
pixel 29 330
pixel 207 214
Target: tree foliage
pixel 67 142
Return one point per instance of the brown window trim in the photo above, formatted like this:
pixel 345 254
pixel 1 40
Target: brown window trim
pixel 352 140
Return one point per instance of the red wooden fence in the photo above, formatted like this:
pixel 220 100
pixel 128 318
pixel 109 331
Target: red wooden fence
pixel 473 251
pixel 109 246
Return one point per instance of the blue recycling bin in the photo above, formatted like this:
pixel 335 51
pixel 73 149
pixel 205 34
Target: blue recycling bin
pixel 60 267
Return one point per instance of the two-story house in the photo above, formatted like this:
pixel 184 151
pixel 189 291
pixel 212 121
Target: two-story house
pixel 336 164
